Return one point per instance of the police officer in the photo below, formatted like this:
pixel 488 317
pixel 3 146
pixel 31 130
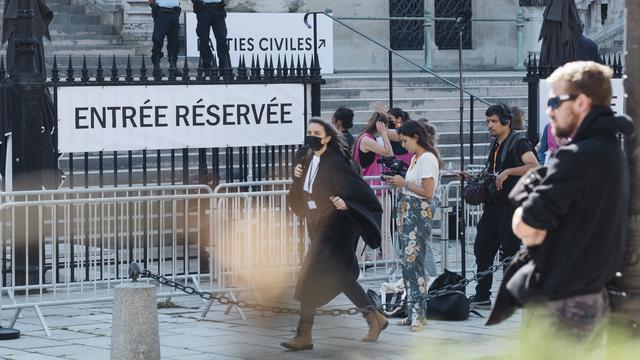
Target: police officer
pixel 211 14
pixel 166 22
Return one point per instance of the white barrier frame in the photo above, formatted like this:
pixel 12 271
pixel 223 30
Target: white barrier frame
pixel 219 200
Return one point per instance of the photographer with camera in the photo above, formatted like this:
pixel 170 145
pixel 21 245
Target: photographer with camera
pixel 414 217
pixel 510 157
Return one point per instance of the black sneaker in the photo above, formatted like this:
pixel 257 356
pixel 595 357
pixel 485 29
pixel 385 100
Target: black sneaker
pixel 476 303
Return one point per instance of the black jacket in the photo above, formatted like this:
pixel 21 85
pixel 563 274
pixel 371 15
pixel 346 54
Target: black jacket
pixel 330 263
pixel 587 50
pixel 583 203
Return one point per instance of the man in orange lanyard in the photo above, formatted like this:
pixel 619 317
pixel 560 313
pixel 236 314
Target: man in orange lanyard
pixel 494 228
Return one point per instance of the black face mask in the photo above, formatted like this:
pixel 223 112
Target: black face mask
pixel 314 142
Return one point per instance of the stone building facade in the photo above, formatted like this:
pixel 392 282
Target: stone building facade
pixel 502 34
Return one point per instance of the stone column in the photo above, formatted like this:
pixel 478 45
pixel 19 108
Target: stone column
pixel 532 29
pixel 110 11
pixel 137 26
pixel 134 330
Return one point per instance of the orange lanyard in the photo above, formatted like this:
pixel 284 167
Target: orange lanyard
pixel 495 157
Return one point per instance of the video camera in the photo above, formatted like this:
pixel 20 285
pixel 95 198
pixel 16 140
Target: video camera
pixel 392 167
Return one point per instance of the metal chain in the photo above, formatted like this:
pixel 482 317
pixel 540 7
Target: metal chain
pixel 225 300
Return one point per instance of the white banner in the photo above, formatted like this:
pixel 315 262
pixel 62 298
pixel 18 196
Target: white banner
pixel 117 118
pixel 270 34
pixel 617 102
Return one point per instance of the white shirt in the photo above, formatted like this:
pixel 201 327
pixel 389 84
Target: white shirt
pixel 426 166
pixel 311 174
pixel 168 3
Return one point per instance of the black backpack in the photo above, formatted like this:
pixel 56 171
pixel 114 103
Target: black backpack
pixel 454 305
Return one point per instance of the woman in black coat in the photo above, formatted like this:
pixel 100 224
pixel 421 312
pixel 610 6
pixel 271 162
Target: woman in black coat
pixel 338 205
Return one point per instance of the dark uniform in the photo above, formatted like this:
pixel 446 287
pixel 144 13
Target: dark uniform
pixel 166 22
pixel 211 14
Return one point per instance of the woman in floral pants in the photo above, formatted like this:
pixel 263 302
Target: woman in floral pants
pixel 414 217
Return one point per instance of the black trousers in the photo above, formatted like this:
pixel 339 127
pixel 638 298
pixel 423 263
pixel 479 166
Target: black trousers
pixel 165 23
pixel 353 291
pixel 212 17
pixel 494 234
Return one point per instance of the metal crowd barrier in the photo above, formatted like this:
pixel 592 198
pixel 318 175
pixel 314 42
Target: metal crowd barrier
pixel 237 238
pixel 84 240
pixel 450 210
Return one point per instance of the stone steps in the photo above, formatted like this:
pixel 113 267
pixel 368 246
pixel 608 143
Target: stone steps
pixel 74 32
pixel 92 29
pixel 84 40
pixel 422 95
pixel 447 115
pixel 419 91
pixel 425 102
pixel 63 51
pixel 74 19
pixel 351 80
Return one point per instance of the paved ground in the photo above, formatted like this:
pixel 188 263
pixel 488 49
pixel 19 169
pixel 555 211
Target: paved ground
pixel 83 332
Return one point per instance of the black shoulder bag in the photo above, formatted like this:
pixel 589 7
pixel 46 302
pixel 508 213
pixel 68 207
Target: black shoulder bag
pixel 482 187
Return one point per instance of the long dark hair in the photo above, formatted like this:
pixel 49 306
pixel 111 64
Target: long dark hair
pixel 399 113
pixel 431 130
pixel 336 142
pixel 370 128
pixel 426 134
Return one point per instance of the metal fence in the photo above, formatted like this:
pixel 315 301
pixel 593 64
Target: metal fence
pixel 86 239
pixel 536 72
pixel 239 239
pixel 180 166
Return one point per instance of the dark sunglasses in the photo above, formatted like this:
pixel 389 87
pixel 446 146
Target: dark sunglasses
pixel 555 102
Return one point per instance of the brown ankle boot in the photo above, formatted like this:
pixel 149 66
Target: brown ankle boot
pixel 302 340
pixel 377 322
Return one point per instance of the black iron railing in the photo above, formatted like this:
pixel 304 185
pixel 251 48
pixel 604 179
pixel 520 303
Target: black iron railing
pixel 181 166
pixel 535 73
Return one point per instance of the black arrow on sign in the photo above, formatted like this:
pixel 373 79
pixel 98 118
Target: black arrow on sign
pixel 323 42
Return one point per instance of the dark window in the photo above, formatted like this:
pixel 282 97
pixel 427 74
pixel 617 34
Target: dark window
pixel 604 11
pixel 447 30
pixel 407 34
pixel 534 2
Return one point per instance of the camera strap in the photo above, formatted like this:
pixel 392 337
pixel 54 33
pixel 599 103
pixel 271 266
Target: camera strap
pixel 507 147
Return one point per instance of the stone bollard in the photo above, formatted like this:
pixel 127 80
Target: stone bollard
pixel 134 331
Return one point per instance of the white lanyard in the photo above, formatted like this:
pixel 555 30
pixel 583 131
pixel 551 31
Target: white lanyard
pixel 313 172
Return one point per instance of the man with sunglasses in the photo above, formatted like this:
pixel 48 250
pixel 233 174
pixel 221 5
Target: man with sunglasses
pixel 510 157
pixel 574 220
